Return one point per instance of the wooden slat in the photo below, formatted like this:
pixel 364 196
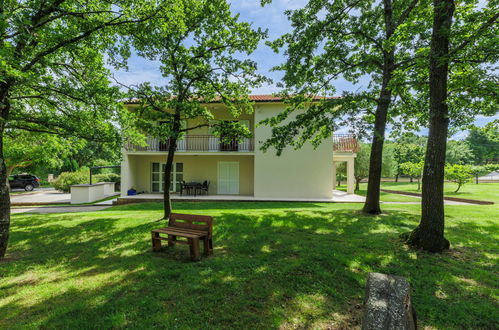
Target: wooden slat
pixel 182 230
pixel 179 233
pixel 170 240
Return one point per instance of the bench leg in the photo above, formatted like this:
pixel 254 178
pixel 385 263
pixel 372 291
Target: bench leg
pixel 156 242
pixel 171 240
pixel 194 244
pixel 206 246
pixel 211 245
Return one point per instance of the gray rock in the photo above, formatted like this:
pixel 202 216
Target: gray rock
pixel 388 303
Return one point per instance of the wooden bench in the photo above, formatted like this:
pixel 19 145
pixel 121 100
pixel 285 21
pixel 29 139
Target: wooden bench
pixel 192 227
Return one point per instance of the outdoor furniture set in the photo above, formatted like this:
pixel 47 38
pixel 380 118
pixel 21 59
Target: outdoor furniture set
pixel 194 188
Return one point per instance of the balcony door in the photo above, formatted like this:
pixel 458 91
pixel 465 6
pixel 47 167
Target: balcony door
pixel 158 180
pixel 228 178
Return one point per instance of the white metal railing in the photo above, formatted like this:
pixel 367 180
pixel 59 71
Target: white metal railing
pixel 196 143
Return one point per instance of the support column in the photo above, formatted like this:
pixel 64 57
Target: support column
pixel 125 175
pixel 350 176
pixel 334 175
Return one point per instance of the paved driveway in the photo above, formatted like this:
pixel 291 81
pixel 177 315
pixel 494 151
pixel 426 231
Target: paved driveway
pixel 40 196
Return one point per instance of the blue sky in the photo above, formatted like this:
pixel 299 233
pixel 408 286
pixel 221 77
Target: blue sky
pixel 270 17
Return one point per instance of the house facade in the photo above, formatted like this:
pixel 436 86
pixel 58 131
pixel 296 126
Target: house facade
pixel 240 168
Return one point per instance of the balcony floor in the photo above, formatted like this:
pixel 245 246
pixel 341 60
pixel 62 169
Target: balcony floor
pixel 338 197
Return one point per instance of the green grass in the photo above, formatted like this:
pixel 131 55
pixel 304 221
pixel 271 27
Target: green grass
pixel 276 265
pixel 384 196
pixel 481 191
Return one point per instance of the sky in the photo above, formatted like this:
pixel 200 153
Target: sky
pixel 270 17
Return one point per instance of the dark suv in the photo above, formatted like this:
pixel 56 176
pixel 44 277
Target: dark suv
pixel 25 181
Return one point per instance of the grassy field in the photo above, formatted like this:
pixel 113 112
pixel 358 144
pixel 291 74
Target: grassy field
pixel 481 191
pixel 276 265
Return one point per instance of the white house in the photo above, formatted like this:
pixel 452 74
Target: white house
pixel 241 168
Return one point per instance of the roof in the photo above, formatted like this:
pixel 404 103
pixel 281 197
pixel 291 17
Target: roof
pixel 261 98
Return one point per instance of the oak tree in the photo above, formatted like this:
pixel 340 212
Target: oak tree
pixel 53 77
pixel 356 40
pixel 203 60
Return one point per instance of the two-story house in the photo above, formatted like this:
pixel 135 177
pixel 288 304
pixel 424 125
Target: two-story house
pixel 241 168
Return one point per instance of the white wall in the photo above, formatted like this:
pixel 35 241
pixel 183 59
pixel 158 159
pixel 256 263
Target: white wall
pixel 302 173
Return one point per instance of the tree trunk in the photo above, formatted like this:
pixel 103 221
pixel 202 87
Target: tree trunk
pixel 411 179
pixel 357 184
pixel 429 235
pixel 419 184
pixel 172 146
pixel 397 178
pixel 4 189
pixel 458 187
pixel 372 205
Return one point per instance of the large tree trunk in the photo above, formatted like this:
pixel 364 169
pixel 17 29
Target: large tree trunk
pixel 4 188
pixel 429 235
pixel 372 205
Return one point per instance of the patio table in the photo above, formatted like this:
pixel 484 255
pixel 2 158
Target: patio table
pixel 193 185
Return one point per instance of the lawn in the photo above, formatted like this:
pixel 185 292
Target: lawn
pixel 481 191
pixel 276 265
pixel 384 196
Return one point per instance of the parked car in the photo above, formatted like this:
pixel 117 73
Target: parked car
pixel 27 182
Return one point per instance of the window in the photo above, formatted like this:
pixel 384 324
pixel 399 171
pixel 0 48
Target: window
pixel 157 177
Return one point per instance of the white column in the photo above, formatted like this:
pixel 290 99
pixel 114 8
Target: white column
pixel 350 176
pixel 334 175
pixel 125 175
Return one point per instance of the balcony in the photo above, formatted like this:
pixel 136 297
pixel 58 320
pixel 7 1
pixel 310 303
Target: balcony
pixel 345 143
pixel 195 143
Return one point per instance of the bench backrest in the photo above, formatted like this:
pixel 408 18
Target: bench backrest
pixel 192 221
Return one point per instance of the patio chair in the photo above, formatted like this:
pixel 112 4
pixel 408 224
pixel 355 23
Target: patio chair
pixel 205 187
pixel 184 186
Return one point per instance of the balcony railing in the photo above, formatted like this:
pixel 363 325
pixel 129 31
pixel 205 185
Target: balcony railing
pixel 196 143
pixel 345 143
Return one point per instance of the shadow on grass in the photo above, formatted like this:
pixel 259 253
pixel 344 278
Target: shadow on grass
pixel 271 268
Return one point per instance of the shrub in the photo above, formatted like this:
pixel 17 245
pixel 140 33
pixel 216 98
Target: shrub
pixel 66 179
pixel 106 177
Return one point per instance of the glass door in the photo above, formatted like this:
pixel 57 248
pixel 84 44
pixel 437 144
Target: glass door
pixel 158 180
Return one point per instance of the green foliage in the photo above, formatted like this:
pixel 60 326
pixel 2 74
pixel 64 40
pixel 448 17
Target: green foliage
pixel 389 162
pixel 414 170
pixel 484 143
pixel 408 147
pixel 106 177
pixel 66 179
pixel 200 63
pixel 30 151
pixel 472 76
pixel 361 170
pixel 458 152
pixel 459 174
